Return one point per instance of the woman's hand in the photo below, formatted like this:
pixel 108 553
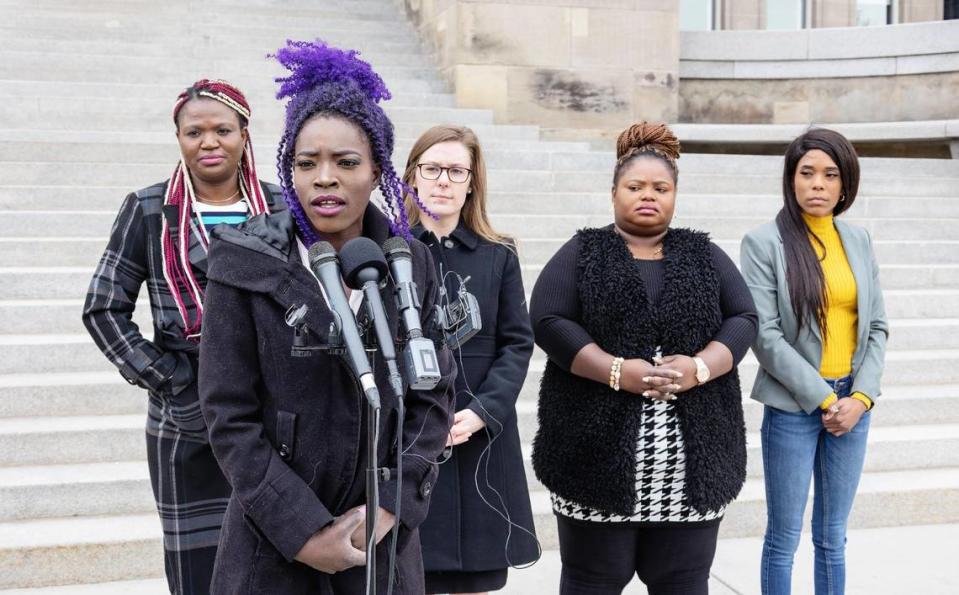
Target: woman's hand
pixel 384 524
pixel 465 424
pixel 640 377
pixel 843 415
pixel 682 364
pixel 330 549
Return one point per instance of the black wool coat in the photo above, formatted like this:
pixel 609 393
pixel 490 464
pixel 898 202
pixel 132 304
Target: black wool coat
pixel 585 447
pixel 289 432
pixel 462 532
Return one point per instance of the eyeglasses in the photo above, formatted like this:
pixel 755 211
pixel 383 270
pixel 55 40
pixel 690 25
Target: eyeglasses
pixel 457 175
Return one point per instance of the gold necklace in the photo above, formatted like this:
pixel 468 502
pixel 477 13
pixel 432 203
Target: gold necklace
pixel 218 202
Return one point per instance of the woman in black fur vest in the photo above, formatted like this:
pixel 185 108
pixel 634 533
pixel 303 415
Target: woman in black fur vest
pixel 641 437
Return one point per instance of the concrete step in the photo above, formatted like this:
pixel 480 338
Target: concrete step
pixel 41 440
pixel 897 406
pixel 599 160
pixel 80 550
pixel 403 131
pixel 87 223
pixel 33 317
pixel 259 91
pixel 132 175
pixel 537 251
pixel 134 27
pixel 892 276
pixel 906 448
pixel 53 353
pixel 915 497
pixel 884 499
pixel 64 394
pixel 155 586
pixel 359 8
pixel 920 367
pixel 499 154
pixel 158 118
pixel 73 439
pixel 50 491
pixel 71 283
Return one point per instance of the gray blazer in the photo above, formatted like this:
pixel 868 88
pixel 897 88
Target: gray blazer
pixel 789 356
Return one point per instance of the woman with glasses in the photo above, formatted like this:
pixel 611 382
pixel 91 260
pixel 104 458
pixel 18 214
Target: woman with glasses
pixel 479 522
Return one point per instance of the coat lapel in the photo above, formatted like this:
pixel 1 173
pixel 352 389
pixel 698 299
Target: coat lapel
pixel 197 254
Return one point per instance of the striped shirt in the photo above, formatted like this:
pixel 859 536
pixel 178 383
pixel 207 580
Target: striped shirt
pixel 213 215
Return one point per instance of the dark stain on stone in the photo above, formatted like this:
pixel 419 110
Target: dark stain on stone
pixel 649 77
pixel 670 80
pixel 485 43
pixel 562 90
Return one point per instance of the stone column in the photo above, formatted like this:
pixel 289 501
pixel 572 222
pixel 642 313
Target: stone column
pixel 581 65
pixel 833 13
pixel 743 14
pixel 915 11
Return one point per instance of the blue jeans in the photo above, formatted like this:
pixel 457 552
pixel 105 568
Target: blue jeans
pixel 796 447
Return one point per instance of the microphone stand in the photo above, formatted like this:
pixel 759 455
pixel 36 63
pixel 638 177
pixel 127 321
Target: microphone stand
pixel 374 474
pixel 295 318
pixel 372 491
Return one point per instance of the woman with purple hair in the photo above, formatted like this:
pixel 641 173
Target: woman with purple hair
pixel 289 431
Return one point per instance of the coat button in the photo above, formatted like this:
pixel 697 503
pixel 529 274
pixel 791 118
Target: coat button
pixel 426 489
pixel 449 244
pixel 284 451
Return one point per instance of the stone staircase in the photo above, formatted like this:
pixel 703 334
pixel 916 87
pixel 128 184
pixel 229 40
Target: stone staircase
pixel 85 94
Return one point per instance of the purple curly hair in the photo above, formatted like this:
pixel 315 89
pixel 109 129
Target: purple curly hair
pixel 326 81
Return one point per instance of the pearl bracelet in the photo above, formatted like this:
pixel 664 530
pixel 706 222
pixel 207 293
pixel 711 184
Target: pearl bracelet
pixel 615 371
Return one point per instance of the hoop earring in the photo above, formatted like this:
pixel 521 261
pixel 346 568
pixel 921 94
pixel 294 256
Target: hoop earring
pixel 842 198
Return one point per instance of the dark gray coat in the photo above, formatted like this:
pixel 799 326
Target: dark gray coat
pixel 462 532
pixel 290 432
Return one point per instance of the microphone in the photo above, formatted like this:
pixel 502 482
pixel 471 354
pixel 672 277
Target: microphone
pixel 363 268
pixel 419 358
pixel 324 265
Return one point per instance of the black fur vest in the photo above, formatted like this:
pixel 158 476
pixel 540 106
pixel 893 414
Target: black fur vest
pixel 585 448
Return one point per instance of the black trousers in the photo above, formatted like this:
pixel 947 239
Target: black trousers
pixel 670 558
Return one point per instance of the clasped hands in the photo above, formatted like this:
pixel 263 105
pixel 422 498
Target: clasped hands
pixel 660 381
pixel 342 544
pixel 842 416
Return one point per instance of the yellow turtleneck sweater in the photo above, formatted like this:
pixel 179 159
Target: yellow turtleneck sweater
pixel 842 313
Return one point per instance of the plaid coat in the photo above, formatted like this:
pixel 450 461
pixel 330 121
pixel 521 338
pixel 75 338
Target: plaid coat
pixel 132 257
pixel 190 491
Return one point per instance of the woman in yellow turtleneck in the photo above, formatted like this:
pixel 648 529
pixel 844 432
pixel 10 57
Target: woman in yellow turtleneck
pixel 821 346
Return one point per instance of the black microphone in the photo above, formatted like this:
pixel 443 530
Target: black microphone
pixel 324 265
pixel 419 358
pixel 363 268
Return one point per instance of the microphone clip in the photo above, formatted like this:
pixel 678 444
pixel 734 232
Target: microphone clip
pixel 296 319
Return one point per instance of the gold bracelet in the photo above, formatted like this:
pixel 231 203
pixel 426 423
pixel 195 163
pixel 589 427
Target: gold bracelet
pixel 615 372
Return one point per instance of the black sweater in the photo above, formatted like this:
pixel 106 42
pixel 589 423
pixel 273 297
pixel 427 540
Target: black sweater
pixel 555 307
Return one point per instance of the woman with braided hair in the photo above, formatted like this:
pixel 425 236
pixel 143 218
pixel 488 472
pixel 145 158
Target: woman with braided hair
pixel 289 430
pixel 641 439
pixel 161 237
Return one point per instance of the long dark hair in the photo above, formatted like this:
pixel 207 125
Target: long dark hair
pixel 804 276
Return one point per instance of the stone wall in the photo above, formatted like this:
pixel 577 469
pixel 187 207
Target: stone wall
pixel 858 74
pixel 580 64
pixel 868 99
